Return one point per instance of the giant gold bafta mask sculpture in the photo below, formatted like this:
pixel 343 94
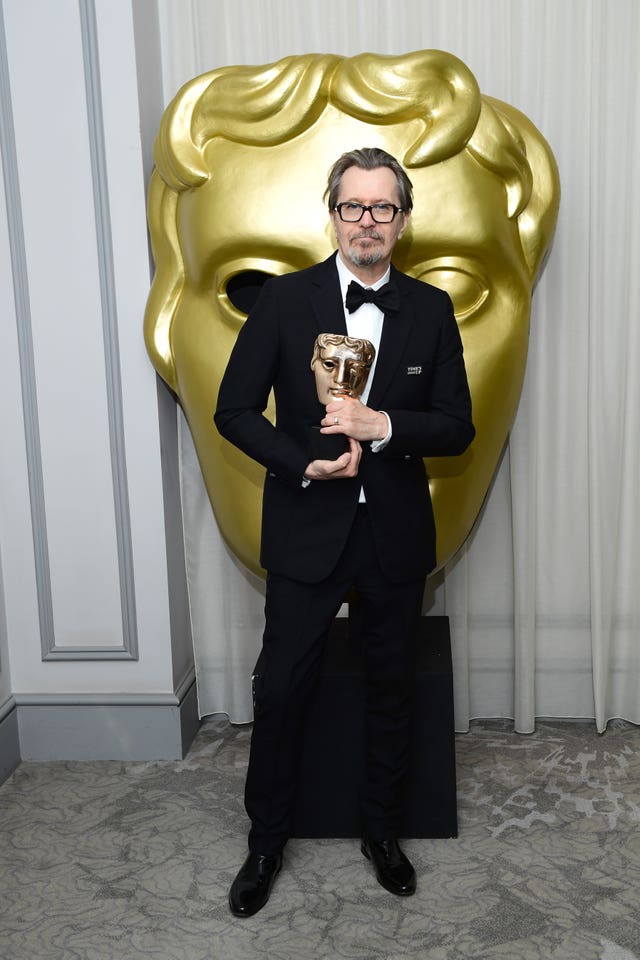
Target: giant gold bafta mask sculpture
pixel 241 161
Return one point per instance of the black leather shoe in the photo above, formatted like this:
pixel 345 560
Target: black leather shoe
pixel 393 869
pixel 252 887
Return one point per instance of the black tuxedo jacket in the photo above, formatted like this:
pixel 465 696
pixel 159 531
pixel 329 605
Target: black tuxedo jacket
pixel 419 380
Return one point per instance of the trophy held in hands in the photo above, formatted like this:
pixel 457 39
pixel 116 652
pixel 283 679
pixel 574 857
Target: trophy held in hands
pixel 341 367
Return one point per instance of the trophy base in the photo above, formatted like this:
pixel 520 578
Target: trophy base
pixel 326 446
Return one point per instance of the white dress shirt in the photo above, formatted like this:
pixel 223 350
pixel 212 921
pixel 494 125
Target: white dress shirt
pixel 365 323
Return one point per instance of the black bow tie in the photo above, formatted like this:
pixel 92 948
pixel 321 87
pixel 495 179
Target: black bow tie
pixel 386 298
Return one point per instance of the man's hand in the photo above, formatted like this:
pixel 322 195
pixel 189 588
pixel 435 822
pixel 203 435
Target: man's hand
pixel 345 466
pixel 354 419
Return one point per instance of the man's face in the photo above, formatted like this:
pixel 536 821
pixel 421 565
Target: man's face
pixel 339 371
pixel 366 246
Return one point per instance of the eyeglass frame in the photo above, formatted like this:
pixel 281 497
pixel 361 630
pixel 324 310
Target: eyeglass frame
pixel 367 209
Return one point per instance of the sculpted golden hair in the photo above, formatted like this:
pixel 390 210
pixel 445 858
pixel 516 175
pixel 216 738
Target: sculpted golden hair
pixel 363 347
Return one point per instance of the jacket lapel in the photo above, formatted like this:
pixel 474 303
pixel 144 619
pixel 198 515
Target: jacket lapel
pixel 326 299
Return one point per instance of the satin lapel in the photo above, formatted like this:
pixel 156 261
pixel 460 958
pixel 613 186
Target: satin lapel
pixel 395 331
pixel 326 299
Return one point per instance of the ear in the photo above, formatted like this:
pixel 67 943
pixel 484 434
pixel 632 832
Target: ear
pixel 405 222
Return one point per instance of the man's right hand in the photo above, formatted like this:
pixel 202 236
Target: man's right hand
pixel 344 467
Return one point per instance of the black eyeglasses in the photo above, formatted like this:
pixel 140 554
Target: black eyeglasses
pixel 350 212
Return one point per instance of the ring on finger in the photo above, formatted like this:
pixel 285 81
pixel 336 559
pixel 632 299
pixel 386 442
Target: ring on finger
pixel 336 419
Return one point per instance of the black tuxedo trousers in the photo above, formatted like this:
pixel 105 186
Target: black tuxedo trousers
pixel 298 617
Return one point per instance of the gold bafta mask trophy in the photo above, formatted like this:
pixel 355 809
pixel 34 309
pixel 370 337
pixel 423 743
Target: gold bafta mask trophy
pixel 341 367
pixel 241 162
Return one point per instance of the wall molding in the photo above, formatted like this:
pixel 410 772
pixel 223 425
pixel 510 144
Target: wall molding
pixel 108 699
pixel 22 302
pixel 51 651
pixel 96 700
pixel 145 727
pixel 129 648
pixel 9 742
pixel 6 707
pixel 98 726
pixel 187 681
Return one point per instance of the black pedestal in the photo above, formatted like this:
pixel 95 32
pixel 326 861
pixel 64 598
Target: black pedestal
pixel 332 760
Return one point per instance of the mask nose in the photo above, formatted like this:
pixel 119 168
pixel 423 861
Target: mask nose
pixel 341 376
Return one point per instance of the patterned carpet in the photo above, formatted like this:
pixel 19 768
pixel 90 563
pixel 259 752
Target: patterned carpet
pixel 116 861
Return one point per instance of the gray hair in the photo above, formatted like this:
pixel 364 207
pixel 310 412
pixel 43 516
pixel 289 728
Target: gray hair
pixel 368 158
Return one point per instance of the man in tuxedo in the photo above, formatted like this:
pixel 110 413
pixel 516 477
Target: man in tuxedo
pixel 363 520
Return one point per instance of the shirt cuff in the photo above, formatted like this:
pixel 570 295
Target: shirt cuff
pixel 378 445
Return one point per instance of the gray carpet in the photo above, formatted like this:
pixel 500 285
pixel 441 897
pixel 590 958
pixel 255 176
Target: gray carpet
pixel 115 861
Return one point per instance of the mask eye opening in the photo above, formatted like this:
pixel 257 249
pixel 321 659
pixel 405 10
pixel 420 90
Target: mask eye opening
pixel 243 288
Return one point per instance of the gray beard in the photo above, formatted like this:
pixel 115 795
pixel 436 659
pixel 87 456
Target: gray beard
pixel 365 259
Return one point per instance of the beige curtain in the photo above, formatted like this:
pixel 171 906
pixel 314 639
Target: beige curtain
pixel 544 598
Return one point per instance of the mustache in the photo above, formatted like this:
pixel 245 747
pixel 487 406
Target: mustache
pixel 368 235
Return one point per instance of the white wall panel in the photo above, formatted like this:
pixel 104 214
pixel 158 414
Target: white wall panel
pixel 66 322
pixel 21 607
pixel 10 432
pixel 80 226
